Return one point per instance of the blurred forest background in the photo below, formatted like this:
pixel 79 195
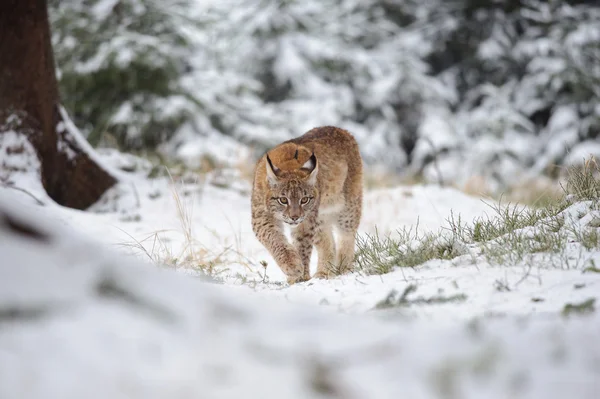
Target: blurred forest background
pixel 444 91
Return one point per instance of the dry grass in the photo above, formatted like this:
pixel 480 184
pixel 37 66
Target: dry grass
pixel 510 234
pixel 538 193
pixel 476 186
pixel 374 179
pixel 191 254
pixel 583 182
pixel 409 247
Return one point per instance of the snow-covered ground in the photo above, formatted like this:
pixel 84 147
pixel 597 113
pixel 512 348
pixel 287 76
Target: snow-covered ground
pixel 78 318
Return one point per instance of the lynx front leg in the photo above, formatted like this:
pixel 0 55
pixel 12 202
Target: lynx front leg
pixel 270 233
pixel 304 236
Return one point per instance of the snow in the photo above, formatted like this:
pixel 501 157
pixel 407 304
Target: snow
pixel 84 316
pixel 191 149
pixel 20 172
pixel 115 303
pixel 103 8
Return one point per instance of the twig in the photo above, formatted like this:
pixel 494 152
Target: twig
pixel 39 202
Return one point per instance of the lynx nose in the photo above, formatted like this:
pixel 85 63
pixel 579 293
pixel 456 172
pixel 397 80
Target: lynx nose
pixel 294 218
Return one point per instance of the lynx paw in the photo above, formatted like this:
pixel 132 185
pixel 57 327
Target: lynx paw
pixel 327 274
pixel 347 270
pixel 297 279
pixel 323 275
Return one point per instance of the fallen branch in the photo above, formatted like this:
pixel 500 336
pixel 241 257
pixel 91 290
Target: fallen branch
pixel 38 201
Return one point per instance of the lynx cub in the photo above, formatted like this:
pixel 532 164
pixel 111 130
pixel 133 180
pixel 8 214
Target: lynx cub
pixel 313 184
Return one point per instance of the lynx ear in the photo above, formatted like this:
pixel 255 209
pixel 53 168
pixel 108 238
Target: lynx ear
pixel 272 171
pixel 312 167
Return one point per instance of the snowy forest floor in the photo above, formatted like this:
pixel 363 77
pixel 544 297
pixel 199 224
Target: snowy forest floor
pixel 499 318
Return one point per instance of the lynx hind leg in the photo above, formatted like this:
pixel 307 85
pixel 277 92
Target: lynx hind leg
pixel 347 226
pixel 271 235
pixel 326 251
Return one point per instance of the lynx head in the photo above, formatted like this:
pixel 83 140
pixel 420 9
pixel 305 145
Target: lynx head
pixel 292 179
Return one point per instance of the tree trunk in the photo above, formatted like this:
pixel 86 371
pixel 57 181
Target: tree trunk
pixel 28 89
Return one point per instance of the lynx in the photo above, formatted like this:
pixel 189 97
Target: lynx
pixel 312 184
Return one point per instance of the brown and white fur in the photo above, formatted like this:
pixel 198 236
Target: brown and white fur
pixel 313 184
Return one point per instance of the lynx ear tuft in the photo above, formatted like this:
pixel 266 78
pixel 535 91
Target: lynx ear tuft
pixel 312 167
pixel 272 171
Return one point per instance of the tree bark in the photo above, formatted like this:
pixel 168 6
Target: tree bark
pixel 29 90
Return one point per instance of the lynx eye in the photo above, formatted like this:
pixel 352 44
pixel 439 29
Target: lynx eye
pixel 304 200
pixel 282 200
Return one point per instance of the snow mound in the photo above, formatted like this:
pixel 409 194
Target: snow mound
pixel 77 320
pixel 20 167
